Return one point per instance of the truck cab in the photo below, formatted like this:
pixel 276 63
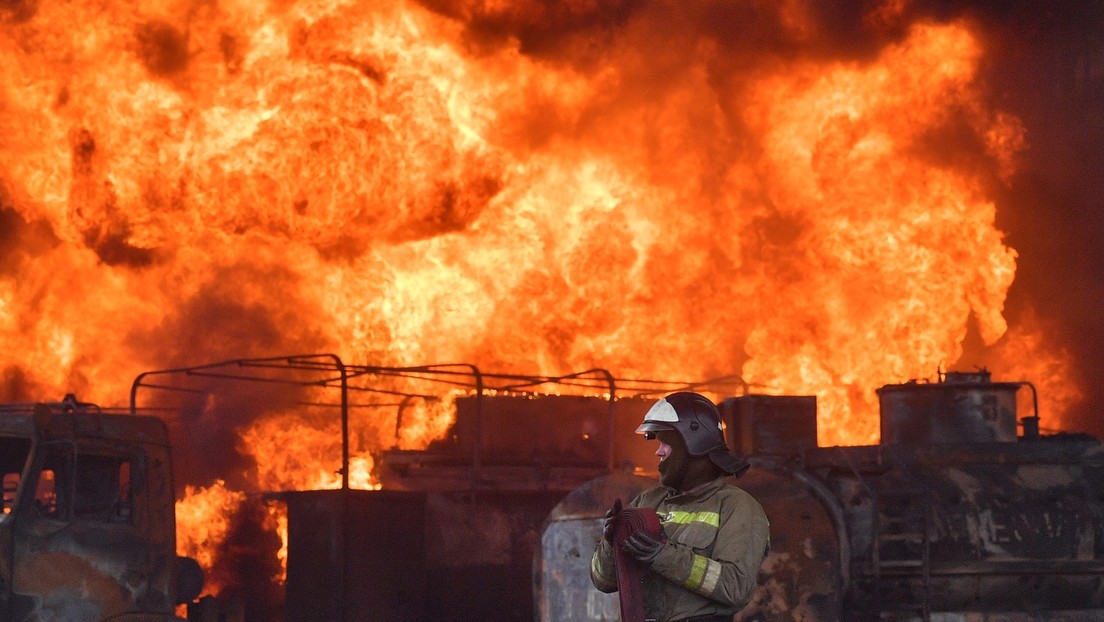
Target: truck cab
pixel 87 524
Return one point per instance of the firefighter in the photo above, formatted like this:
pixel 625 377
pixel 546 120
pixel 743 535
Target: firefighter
pixel 702 564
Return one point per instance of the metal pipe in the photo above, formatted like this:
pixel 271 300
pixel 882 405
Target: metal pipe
pixel 476 465
pixel 344 415
pixel 1031 424
pixel 612 424
pixel 839 521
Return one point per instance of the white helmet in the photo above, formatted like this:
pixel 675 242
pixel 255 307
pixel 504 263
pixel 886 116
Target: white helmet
pixel 698 422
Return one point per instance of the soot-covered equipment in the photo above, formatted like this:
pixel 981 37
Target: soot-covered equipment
pixel 953 512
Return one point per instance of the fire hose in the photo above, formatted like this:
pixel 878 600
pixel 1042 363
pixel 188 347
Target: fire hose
pixel 630 571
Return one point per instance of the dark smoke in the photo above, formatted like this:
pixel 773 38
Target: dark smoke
pixel 20 241
pixel 247 566
pixel 108 234
pixel 244 311
pixel 1047 68
pixel 205 431
pixel 17 11
pixel 162 48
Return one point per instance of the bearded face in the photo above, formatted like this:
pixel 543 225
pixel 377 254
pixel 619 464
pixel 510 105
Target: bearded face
pixel 677 468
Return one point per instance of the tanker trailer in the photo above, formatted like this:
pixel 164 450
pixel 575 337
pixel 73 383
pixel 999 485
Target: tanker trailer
pixel 952 516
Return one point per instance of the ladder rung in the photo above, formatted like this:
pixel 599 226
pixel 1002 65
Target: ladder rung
pixel 901 563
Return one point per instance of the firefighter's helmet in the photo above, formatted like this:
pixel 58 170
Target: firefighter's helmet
pixel 698 422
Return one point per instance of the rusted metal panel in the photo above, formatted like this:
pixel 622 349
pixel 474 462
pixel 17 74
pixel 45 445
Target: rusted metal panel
pixel 561 576
pixel 566 594
pixel 770 424
pixel 575 432
pixel 355 555
pixel 480 553
pixel 412 556
pixel 968 410
pixel 991 527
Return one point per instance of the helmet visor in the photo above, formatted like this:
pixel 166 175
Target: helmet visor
pixel 649 428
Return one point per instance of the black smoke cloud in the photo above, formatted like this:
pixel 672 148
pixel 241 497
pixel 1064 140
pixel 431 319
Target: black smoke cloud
pixel 224 321
pixel 1046 66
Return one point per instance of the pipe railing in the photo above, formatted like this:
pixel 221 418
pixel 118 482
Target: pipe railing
pixel 403 385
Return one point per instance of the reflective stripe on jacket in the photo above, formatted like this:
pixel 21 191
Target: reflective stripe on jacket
pixel 717 536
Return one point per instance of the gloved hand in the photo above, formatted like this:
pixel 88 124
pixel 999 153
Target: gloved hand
pixel 610 520
pixel 643 547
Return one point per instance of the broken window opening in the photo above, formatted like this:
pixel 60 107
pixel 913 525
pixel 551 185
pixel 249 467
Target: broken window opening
pixel 14 452
pixel 103 488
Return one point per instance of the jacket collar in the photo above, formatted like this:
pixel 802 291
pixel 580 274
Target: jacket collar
pixel 701 491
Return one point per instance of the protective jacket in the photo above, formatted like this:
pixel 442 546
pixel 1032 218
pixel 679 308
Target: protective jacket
pixel 717 536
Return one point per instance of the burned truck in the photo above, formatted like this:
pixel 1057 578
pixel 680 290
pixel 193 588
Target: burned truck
pixel 87 531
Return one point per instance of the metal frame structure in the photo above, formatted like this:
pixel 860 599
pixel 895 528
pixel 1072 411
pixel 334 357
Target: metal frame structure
pixel 371 386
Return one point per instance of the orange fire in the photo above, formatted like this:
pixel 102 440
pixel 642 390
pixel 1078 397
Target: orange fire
pixel 292 456
pixel 202 181
pixel 206 511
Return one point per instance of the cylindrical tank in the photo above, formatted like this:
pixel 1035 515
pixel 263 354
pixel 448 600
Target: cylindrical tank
pixel 802 577
pixel 561 568
pixel 987 528
pixel 962 408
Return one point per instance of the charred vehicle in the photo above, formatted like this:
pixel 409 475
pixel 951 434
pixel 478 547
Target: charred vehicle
pixel 963 511
pixel 87 531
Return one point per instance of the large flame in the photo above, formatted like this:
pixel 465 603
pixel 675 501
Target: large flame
pixel 190 182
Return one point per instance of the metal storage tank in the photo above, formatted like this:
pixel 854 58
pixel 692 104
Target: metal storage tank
pixel 951 517
pixel 961 408
pixel 802 574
